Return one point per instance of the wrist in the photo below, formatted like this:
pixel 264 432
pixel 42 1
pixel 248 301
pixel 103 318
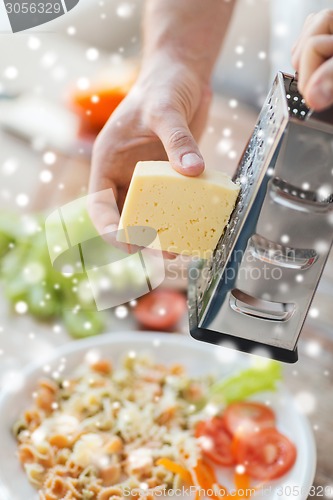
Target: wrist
pixel 173 61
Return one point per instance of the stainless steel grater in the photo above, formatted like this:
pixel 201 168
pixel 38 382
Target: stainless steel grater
pixel 256 290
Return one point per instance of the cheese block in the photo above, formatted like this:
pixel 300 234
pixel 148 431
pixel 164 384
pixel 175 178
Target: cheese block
pixel 188 213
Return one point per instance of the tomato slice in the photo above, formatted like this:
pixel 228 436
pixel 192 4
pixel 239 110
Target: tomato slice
pixel 215 441
pixel 266 454
pixel 160 309
pixel 246 417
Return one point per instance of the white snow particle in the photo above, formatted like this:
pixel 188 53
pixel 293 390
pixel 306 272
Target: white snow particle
pixel 324 192
pixel 83 83
pixel 125 10
pixel 226 352
pixel 11 72
pixel 206 443
pixel 321 247
pixel 240 469
pixel 233 103
pixel 12 381
pixel 121 312
pixel 21 307
pixel 34 42
pixel 34 272
pixel 9 166
pixel 224 146
pixel 22 200
pixel 46 176
pixel 239 49
pixel 48 59
pixel 49 158
pixel 314 312
pixel 92 54
pixel 211 409
pixel 281 29
pixel 71 30
pixel 305 402
pixel 313 348
pixel 92 356
pixel 232 154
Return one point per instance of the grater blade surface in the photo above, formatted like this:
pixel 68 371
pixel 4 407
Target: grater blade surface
pixel 281 214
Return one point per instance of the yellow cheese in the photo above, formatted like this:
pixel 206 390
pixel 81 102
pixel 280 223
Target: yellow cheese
pixel 189 213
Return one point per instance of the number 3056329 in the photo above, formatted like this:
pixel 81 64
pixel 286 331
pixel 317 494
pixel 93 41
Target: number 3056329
pixel 33 8
pixel 288 491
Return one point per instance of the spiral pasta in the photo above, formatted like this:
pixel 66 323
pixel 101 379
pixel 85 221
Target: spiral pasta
pixel 101 431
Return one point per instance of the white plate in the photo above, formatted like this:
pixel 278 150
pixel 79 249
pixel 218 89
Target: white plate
pixel 198 358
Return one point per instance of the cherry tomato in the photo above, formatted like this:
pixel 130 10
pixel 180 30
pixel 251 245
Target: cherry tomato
pixel 266 454
pixel 160 309
pixel 215 441
pixel 246 417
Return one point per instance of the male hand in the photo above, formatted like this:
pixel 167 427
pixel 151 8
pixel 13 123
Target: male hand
pixel 162 118
pixel 312 57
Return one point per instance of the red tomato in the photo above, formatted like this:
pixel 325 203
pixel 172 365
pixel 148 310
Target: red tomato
pixel 215 441
pixel 247 417
pixel 94 115
pixel 266 454
pixel 160 309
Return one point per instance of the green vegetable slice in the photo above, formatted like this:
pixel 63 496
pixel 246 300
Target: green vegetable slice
pixel 264 376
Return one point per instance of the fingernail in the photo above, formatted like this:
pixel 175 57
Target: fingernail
pixel 191 160
pixel 322 93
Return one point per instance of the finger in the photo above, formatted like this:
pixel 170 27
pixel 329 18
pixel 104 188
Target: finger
pixel 318 92
pixel 179 144
pixel 102 204
pixel 199 121
pixel 316 51
pixel 320 23
pixel 295 51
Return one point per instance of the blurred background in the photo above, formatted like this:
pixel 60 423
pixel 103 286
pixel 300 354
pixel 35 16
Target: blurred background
pixel 58 85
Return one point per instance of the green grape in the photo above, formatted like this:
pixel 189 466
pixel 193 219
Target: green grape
pixel 83 323
pixel 43 301
pixel 5 241
pixel 13 262
pixel 16 288
pixel 28 275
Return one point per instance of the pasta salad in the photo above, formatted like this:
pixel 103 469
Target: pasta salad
pixel 144 428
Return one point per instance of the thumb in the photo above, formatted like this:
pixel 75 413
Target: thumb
pixel 179 144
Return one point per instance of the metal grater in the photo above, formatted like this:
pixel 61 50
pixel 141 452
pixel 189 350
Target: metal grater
pixel 255 292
